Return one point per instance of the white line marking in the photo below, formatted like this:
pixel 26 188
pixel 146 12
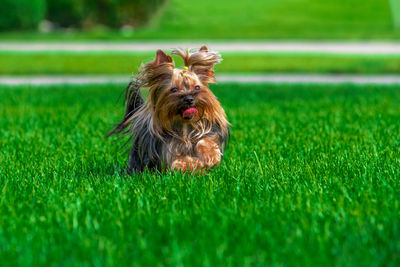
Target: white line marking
pixel 311 78
pixel 365 48
pixel 222 78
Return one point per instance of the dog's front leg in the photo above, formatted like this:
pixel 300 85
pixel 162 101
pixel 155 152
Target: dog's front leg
pixel 209 151
pixel 187 163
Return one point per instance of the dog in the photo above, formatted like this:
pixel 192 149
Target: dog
pixel 181 125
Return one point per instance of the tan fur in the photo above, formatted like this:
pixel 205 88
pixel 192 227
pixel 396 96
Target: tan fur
pixel 209 151
pixel 187 163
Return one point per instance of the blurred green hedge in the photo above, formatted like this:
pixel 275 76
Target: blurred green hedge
pixel 111 13
pixel 27 14
pixel 65 13
pixel 21 14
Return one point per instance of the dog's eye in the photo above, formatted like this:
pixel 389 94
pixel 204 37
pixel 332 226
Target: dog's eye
pixel 197 87
pixel 174 90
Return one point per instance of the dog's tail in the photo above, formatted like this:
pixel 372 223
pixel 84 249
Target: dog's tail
pixel 133 101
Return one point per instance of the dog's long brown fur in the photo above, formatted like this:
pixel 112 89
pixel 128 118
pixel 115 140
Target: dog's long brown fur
pixel 163 136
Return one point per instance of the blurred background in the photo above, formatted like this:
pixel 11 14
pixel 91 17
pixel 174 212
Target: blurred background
pixel 208 19
pixel 316 22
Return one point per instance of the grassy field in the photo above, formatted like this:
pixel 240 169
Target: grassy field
pixel 260 19
pixel 311 177
pixel 128 63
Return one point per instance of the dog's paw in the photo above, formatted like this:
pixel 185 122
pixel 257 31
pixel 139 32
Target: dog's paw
pixel 209 151
pixel 187 163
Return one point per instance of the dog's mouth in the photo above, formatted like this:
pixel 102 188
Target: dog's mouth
pixel 189 113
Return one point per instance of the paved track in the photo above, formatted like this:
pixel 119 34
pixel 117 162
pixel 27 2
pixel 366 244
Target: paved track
pixel 362 48
pixel 222 78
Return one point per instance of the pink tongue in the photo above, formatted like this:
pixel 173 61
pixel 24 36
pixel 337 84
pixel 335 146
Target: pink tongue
pixel 189 112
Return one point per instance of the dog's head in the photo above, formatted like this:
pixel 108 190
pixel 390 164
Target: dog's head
pixel 182 96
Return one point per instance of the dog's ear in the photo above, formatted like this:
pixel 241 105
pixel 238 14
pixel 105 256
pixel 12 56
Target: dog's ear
pixel 161 58
pixel 155 72
pixel 203 49
pixel 202 64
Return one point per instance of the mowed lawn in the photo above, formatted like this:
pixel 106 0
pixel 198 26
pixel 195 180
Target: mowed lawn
pixel 60 63
pixel 311 177
pixel 274 19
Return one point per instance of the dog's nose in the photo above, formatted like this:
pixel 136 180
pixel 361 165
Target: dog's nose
pixel 188 99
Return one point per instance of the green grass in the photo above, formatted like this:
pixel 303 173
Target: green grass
pixel 258 19
pixel 127 63
pixel 277 19
pixel 311 177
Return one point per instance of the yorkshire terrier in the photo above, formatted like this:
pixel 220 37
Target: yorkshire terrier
pixel 181 125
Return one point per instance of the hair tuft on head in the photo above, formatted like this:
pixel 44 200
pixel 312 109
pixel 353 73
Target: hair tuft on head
pixel 201 62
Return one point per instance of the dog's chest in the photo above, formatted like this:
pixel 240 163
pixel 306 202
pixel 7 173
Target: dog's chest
pixel 184 143
pixel 178 147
